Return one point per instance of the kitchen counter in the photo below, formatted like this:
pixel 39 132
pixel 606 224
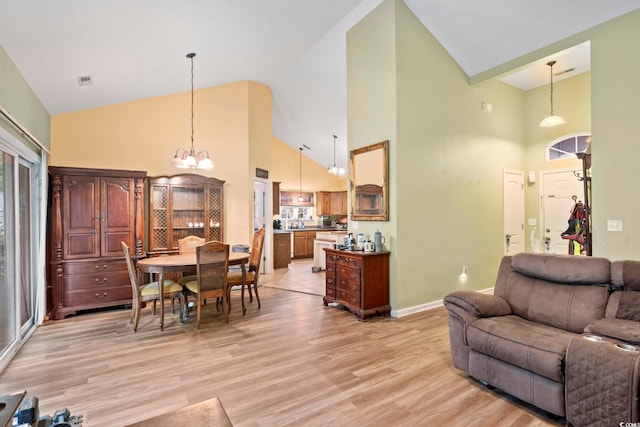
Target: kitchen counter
pixel 330 229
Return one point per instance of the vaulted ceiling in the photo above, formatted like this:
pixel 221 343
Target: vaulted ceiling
pixel 136 49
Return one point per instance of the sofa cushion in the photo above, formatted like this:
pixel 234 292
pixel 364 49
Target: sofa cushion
pixel 570 270
pixel 629 306
pixel 626 275
pixel 568 307
pixel 625 330
pixel 532 346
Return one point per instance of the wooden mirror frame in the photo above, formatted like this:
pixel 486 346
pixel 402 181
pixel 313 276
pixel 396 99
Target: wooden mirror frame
pixel 376 197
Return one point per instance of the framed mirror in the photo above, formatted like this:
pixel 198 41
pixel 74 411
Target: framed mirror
pixel 369 182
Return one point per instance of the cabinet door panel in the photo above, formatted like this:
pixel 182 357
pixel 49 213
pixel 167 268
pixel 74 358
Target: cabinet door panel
pixel 81 217
pixel 117 218
pixel 299 245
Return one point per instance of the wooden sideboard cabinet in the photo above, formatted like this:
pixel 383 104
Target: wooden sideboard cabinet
pixel 359 281
pixel 184 205
pixel 91 211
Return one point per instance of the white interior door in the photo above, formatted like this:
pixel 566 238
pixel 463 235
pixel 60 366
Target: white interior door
pixel 261 218
pixel 557 191
pixel 513 241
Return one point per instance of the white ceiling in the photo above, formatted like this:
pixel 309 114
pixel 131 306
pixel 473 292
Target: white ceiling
pixel 136 49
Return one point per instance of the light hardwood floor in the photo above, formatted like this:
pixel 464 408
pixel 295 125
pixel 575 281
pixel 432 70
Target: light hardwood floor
pixel 292 363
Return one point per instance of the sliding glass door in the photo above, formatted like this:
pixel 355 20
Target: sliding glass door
pixel 21 263
pixel 26 300
pixel 8 330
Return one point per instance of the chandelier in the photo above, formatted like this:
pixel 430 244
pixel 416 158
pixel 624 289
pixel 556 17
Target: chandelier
pixel 334 168
pixel 551 119
pixel 190 159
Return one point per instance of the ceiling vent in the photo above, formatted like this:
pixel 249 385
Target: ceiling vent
pixel 85 80
pixel 568 70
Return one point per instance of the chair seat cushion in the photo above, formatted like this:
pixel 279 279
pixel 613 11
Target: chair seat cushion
pixel 170 286
pixel 532 346
pixel 186 279
pixel 235 277
pixel 193 287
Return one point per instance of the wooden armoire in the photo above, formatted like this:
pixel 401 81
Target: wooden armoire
pixel 90 212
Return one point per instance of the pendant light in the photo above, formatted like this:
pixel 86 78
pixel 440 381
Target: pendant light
pixel 551 119
pixel 334 168
pixel 185 159
pixel 300 198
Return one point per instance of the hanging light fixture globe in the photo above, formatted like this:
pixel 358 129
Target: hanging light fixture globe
pixel 334 168
pixel 190 159
pixel 552 119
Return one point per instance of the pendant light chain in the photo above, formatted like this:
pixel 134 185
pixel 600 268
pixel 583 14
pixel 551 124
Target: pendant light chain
pixel 551 74
pixel 191 55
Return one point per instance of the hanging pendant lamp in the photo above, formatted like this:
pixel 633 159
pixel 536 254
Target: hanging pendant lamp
pixel 551 119
pixel 334 168
pixel 190 159
pixel 300 197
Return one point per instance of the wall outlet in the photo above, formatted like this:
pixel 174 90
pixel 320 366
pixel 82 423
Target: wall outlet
pixel 614 225
pixel 354 225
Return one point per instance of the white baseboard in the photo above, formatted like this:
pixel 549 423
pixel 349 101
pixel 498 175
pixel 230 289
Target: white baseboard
pixel 428 306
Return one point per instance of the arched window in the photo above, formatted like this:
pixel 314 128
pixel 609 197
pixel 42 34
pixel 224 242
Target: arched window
pixel 567 146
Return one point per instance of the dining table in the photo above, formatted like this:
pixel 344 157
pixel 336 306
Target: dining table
pixel 180 263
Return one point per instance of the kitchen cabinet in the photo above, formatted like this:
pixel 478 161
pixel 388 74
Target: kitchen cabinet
pixel 184 205
pixel 91 212
pixel 331 203
pixel 303 244
pixel 281 249
pixel 359 281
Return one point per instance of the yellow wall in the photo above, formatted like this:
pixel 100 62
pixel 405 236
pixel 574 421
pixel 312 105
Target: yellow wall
pixel 144 135
pixel 286 170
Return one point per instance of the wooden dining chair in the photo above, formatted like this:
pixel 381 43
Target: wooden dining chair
pixel 186 245
pixel 234 278
pixel 212 264
pixel 148 291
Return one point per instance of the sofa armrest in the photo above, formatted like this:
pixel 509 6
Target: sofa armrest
pixel 478 304
pixel 621 329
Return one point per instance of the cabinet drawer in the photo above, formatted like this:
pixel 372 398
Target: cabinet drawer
pixel 351 286
pixel 348 274
pixel 97 280
pixel 348 298
pixel 348 262
pixel 71 268
pixel 97 297
pixel 331 291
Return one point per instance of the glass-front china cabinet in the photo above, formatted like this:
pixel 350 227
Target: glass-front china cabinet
pixel 183 205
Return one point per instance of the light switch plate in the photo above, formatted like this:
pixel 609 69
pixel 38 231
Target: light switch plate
pixel 531 221
pixel 614 225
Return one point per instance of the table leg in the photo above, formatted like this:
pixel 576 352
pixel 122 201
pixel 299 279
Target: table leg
pixel 244 283
pixel 161 292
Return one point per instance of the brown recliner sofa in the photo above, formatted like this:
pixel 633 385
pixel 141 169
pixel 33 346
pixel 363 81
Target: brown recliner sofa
pixel 516 340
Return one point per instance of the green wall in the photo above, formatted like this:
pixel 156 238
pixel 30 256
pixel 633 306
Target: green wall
pixel 17 98
pixel 447 156
pixel 615 112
